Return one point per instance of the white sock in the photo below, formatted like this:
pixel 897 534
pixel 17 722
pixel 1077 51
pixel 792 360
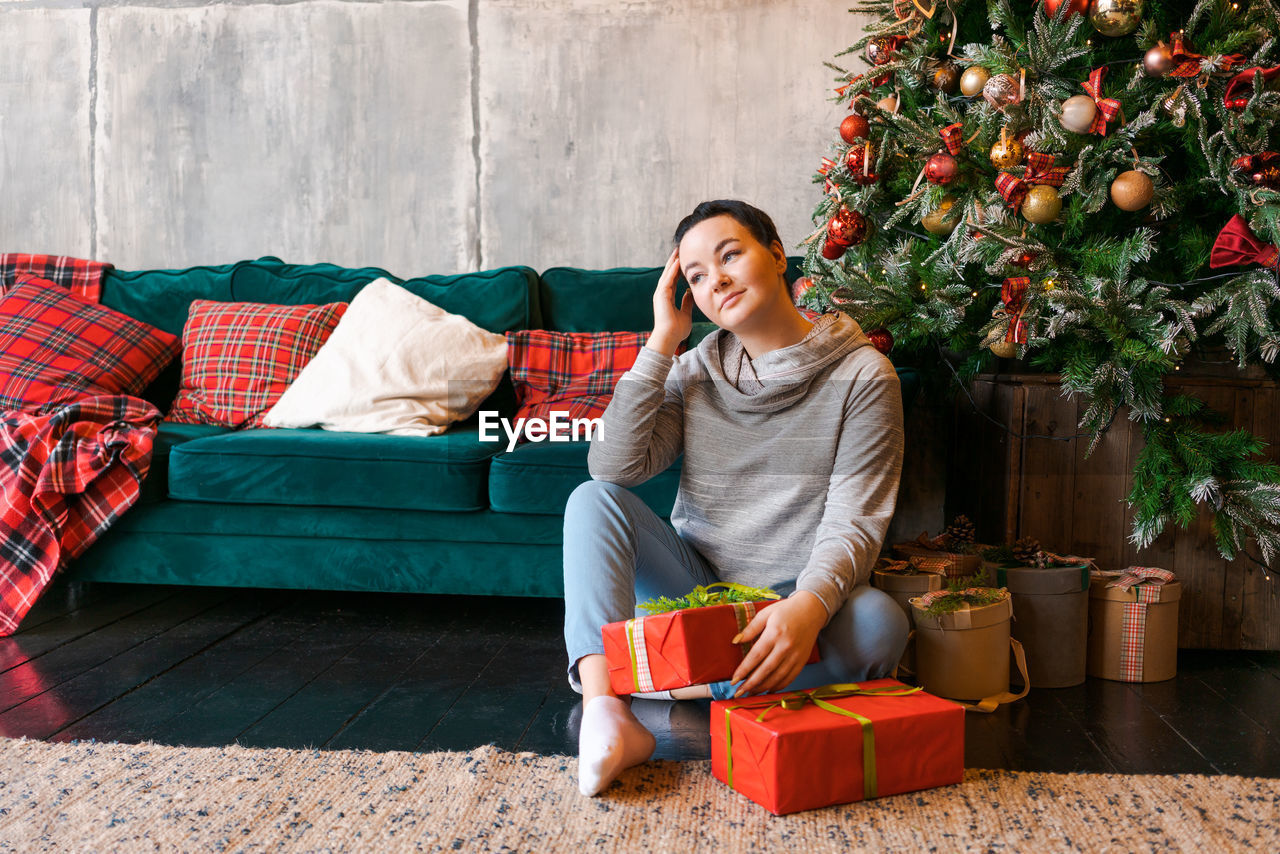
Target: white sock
pixel 610 741
pixel 652 695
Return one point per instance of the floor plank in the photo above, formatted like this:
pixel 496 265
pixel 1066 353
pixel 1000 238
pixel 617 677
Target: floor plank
pixel 141 713
pixel 312 643
pixel 45 714
pixel 67 624
pixel 67 661
pixel 1132 736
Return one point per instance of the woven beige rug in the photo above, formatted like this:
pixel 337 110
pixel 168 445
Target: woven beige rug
pixel 113 797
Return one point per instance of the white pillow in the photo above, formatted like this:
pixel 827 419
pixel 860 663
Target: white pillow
pixel 394 364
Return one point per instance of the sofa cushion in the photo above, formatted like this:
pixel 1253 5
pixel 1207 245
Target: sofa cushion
pixel 570 372
pixel 239 357
pixel 56 347
pixel 495 300
pixel 155 487
pixel 617 300
pixel 536 479
pixel 322 469
pixel 163 297
pixel 396 364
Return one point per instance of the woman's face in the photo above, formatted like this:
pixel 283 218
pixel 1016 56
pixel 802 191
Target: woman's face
pixel 731 274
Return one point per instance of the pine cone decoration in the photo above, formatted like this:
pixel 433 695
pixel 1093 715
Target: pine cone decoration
pixel 1027 550
pixel 961 531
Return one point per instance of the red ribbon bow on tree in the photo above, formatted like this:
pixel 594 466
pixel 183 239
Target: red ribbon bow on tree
pixel 1237 244
pixel 1231 99
pixel 1108 108
pixel 953 137
pixel 1189 64
pixel 1013 293
pixel 1040 170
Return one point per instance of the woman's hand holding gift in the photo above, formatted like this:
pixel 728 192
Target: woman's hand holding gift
pixel 783 636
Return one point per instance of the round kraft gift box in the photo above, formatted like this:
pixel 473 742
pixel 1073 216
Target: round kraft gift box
pixel 957 564
pixel 902 589
pixel 1109 656
pixel 964 655
pixel 1052 604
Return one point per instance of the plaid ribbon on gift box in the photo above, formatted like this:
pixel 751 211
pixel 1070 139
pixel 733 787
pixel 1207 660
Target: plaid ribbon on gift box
pixel 642 673
pixel 83 278
pixel 1145 582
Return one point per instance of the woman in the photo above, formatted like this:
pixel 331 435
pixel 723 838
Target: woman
pixel 791 433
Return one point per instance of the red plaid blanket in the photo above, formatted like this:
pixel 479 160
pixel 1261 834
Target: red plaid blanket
pixel 83 278
pixel 67 475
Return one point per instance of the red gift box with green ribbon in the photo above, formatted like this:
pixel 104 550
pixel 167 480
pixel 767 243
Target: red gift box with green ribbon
pixel 688 646
pixel 836 744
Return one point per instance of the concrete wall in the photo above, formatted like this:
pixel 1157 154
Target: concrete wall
pixel 424 136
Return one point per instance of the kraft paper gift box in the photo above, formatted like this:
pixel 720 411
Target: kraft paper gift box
pixel 904 580
pixel 1133 625
pixel 933 555
pixel 964 654
pixel 1052 608
pixel 803 750
pixel 691 646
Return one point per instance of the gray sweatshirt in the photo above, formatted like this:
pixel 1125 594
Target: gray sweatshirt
pixel 791 461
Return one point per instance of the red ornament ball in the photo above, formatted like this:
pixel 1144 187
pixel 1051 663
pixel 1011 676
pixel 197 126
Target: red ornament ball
pixel 832 250
pixel 800 287
pixel 881 339
pixel 854 127
pixel 848 228
pixel 881 50
pixel 1074 7
pixel 859 160
pixel 941 168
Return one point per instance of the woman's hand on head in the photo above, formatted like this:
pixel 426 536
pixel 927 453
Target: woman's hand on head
pixel 671 325
pixel 784 634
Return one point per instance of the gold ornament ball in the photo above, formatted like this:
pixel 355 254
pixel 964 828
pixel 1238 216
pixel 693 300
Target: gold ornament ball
pixel 1001 91
pixel 946 78
pixel 1078 113
pixel 1004 349
pixel 1132 190
pixel 943 220
pixel 1042 204
pixel 889 103
pixel 1007 153
pixel 1116 17
pixel 973 79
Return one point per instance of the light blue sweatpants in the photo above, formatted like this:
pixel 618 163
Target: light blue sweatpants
pixel 618 552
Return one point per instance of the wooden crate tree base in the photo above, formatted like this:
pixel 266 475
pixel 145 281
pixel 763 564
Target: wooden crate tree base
pixel 1033 479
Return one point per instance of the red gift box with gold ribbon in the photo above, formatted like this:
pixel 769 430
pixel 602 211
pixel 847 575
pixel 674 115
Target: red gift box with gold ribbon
pixel 691 646
pixel 836 744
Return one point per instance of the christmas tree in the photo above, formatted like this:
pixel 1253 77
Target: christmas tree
pixel 1090 185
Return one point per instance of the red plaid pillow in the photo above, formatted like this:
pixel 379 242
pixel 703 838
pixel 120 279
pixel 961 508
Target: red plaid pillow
pixel 239 357
pixel 56 348
pixel 572 372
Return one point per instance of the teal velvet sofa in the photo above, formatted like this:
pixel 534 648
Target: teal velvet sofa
pixel 313 509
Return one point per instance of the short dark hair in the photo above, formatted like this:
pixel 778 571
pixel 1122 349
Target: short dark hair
pixel 748 216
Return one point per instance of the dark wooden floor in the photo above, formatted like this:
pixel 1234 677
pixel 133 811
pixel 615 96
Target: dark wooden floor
pixel 207 666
